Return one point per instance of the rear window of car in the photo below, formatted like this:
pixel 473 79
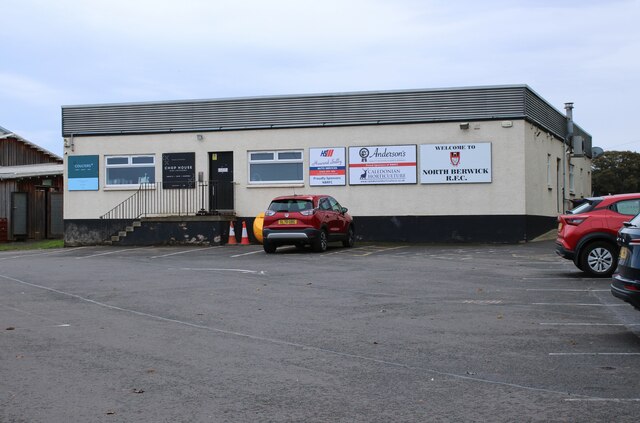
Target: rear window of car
pixel 290 205
pixel 628 207
pixel 586 206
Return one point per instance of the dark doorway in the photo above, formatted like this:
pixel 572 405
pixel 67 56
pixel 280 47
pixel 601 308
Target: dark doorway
pixel 221 181
pixel 39 213
pixel 19 203
pixel 56 223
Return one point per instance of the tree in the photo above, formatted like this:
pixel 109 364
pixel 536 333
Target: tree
pixel 616 172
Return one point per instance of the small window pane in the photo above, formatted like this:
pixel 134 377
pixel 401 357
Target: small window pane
pixel 261 156
pixel 130 175
pixel 275 172
pixel 142 159
pixel 117 160
pixel 290 155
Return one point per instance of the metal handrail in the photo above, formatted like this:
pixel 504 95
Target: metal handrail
pixel 154 200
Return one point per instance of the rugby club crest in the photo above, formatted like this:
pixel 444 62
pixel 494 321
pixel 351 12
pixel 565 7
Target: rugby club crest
pixel 454 156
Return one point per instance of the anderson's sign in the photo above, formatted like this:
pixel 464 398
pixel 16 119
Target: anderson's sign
pixel 390 164
pixel 459 163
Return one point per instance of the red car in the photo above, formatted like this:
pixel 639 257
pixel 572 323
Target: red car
pixel 306 219
pixel 587 233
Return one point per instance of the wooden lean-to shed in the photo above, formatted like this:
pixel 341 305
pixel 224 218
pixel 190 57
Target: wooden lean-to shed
pixel 31 187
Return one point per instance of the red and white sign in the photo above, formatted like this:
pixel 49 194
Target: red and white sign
pixel 382 164
pixel 327 166
pixel 455 163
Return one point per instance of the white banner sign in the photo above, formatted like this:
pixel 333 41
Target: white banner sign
pixel 327 166
pixel 387 164
pixel 455 163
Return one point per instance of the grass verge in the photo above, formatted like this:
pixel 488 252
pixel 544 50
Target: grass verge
pixel 32 245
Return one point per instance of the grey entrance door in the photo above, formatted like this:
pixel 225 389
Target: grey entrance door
pixel 19 209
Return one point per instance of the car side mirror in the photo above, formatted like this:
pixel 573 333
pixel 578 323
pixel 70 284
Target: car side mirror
pixel 344 210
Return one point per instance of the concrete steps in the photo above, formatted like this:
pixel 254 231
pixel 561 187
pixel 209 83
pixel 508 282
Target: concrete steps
pixel 122 234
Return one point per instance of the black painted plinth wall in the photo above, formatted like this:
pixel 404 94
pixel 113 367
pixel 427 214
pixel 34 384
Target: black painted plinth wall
pixel 412 229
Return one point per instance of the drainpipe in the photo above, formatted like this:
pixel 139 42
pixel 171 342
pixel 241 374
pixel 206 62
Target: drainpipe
pixel 567 142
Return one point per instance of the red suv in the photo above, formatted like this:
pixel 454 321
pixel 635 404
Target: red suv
pixel 587 233
pixel 306 219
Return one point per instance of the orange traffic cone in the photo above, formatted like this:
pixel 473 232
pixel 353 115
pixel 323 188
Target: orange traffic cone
pixel 245 237
pixel 232 235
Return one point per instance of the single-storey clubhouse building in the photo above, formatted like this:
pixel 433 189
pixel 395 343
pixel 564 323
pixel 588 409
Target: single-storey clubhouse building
pixel 478 164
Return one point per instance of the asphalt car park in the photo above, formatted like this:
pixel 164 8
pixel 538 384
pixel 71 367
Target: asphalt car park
pixel 373 333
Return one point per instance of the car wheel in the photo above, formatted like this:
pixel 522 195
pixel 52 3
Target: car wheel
pixel 351 238
pixel 599 259
pixel 320 243
pixel 269 247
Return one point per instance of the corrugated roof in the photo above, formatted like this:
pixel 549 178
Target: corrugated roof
pixel 35 170
pixel 5 133
pixel 316 110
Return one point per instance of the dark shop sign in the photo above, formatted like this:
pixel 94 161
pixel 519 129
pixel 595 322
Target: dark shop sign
pixel 178 170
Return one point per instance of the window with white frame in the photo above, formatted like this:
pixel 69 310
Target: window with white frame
pixel 278 167
pixel 129 170
pixel 571 178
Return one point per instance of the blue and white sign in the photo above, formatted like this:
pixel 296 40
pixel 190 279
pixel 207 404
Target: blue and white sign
pixel 82 173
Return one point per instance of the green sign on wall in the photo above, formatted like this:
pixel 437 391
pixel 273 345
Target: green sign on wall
pixel 83 173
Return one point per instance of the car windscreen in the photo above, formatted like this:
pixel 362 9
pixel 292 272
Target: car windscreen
pixel 588 205
pixel 290 205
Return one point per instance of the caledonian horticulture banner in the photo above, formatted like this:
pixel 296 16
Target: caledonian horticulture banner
pixel 382 164
pixel 455 163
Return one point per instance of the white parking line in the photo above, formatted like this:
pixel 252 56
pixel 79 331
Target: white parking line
pixel 560 278
pixel 589 324
pixel 380 250
pixel 46 253
pixel 568 290
pixel 107 253
pixel 581 304
pixel 246 254
pixel 603 399
pixel 344 251
pixel 593 354
pixel 39 316
pixel 41 327
pixel 181 252
pixel 211 269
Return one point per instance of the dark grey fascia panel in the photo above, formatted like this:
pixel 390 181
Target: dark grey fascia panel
pixel 315 110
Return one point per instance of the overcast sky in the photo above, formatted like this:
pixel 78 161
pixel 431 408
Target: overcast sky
pixel 68 52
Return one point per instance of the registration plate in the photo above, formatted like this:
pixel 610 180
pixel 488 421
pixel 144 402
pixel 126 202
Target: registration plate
pixel 559 226
pixel 287 221
pixel 624 253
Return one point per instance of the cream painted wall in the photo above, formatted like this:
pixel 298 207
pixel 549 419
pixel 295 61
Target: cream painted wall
pixel 505 195
pixel 544 193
